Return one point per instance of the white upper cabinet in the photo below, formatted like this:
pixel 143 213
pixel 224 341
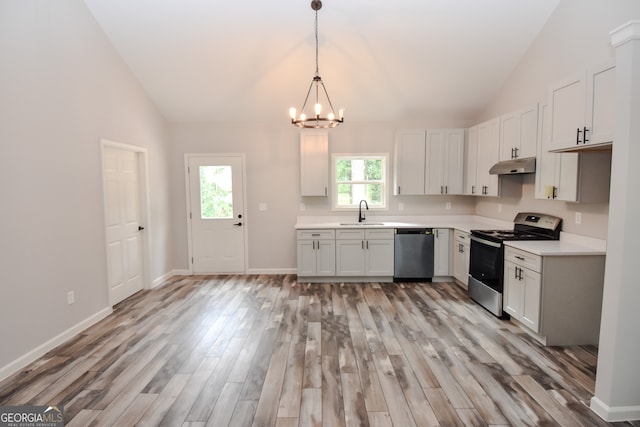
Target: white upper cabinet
pixel 518 133
pixel 314 163
pixel 582 109
pixel 488 155
pixel 429 162
pixel 410 161
pixel 471 162
pixel 445 161
pixel 570 177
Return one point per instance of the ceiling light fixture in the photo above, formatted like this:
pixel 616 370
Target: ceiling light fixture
pixel 316 120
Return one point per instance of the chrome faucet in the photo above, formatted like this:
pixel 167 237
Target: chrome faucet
pixel 360 214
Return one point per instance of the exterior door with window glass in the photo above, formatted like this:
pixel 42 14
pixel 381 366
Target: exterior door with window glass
pixel 216 214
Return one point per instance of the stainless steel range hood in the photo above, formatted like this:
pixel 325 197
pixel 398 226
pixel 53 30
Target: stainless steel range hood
pixel 515 166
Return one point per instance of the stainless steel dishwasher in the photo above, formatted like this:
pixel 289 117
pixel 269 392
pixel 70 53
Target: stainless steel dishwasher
pixel 413 254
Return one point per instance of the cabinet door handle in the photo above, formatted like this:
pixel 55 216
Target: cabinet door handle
pixel 398 189
pixel 473 189
pixel 584 135
pixel 446 189
pixel 519 257
pixel 362 244
pixel 367 245
pixel 578 132
pixel 516 152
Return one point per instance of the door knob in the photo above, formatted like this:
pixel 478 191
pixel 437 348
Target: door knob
pixel 140 228
pixel 238 224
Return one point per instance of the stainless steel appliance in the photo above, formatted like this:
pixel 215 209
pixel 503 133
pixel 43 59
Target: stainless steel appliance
pixel 413 254
pixel 486 264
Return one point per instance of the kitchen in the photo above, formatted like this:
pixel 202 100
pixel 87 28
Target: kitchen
pixel 588 45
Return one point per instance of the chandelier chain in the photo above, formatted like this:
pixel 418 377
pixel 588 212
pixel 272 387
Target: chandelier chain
pixel 316 27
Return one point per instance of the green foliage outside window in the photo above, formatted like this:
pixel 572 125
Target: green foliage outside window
pixel 359 178
pixel 216 197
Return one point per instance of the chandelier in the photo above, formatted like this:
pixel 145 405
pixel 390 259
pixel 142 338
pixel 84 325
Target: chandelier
pixel 316 120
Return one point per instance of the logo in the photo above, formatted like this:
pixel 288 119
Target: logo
pixel 31 416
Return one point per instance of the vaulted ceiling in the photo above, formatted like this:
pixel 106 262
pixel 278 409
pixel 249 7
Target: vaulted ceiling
pixel 213 60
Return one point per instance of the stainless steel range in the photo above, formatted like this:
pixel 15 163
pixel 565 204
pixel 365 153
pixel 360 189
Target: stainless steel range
pixel 486 265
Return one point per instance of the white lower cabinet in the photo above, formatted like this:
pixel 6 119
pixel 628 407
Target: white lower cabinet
pixel 460 255
pixel 364 252
pixel 441 258
pixel 558 297
pixel 522 294
pixel 316 250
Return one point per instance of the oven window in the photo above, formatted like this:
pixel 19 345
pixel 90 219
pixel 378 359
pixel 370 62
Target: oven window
pixel 486 264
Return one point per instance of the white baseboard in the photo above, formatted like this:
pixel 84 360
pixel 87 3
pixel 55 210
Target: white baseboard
pixel 41 350
pixel 160 280
pixel 614 413
pixel 272 271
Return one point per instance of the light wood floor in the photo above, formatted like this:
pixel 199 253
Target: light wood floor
pixel 268 351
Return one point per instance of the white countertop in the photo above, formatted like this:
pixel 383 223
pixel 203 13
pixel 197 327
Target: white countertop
pixel 568 245
pixel 464 223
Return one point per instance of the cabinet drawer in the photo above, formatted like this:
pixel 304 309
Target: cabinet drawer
pixel 379 234
pixel 461 236
pixel 523 258
pixel 349 233
pixel 316 234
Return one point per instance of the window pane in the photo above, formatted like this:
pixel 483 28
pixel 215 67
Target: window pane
pixel 373 170
pixel 343 172
pixel 351 194
pixel 216 196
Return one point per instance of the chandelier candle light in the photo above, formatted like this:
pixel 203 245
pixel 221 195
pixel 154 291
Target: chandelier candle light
pixel 316 121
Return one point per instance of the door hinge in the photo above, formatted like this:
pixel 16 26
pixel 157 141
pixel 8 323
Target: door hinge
pixel 190 217
pixel 191 260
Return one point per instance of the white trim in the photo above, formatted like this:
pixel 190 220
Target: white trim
pixel 625 33
pixel 615 413
pixel 160 280
pixel 269 271
pixel 334 187
pixel 42 349
pixel 143 172
pixel 245 216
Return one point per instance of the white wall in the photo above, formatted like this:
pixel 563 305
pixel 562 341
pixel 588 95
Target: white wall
pixel 575 37
pixel 272 154
pixel 62 89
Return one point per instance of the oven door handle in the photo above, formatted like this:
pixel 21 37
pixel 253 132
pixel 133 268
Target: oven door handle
pixel 485 242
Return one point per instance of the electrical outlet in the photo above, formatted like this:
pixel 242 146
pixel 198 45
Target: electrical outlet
pixel 262 206
pixel 447 205
pixel 499 207
pixel 400 206
pixel 71 297
pixel 578 217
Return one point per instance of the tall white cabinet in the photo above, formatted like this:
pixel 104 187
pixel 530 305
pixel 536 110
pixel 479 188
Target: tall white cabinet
pixel 429 162
pixel 488 155
pixel 314 163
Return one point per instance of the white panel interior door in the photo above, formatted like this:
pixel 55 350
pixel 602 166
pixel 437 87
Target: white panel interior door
pixel 217 214
pixel 122 212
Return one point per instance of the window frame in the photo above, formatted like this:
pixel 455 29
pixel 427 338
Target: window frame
pixel 360 156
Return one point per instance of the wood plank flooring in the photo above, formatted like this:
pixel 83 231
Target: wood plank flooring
pixel 269 351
